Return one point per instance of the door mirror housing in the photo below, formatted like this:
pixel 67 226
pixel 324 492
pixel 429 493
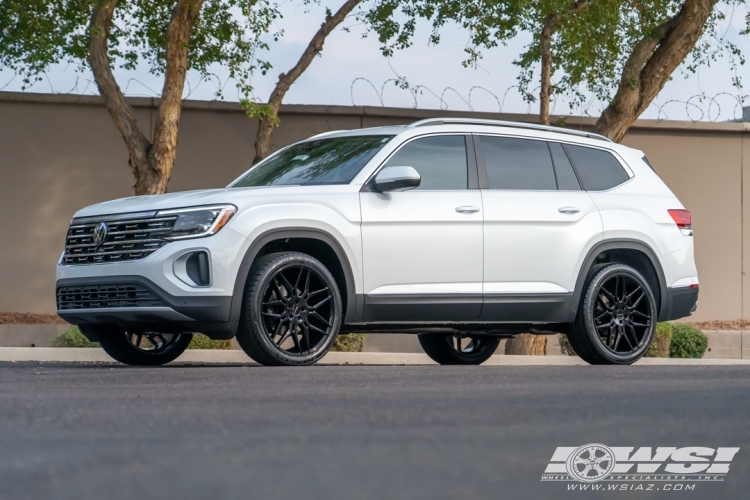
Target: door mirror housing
pixel 396 179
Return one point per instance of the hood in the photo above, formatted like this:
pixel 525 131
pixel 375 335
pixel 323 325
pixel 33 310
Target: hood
pixel 152 202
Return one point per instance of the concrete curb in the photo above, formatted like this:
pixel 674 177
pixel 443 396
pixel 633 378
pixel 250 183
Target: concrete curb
pixel 91 355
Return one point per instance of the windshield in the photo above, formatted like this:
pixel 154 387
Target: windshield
pixel 334 160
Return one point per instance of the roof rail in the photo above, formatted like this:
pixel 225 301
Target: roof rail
pixel 502 123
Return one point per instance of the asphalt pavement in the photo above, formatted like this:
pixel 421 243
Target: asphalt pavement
pixel 351 432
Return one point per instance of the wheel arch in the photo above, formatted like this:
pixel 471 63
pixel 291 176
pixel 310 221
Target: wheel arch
pixel 325 248
pixel 631 252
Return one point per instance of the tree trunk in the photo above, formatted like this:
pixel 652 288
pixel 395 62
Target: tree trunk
pixel 528 344
pixel 151 162
pixel 650 65
pixel 264 137
pixel 545 48
pixel 545 42
pixel 163 151
pixel 120 111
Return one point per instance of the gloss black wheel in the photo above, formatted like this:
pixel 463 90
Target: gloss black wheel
pixel 458 349
pixel 292 310
pixel 142 348
pixel 617 317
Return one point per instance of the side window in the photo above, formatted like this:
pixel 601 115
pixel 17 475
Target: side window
pixel 440 161
pixel 517 163
pixel 566 176
pixel 597 169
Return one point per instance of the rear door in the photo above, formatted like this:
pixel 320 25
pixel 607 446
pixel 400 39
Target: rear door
pixel 538 224
pixel 422 249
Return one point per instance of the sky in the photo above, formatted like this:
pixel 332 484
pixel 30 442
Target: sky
pixel 352 71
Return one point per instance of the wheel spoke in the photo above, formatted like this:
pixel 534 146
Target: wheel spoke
pixel 321 318
pixel 316 306
pixel 307 285
pixel 306 334
pixel 295 339
pixel 313 294
pixel 288 333
pixel 273 303
pixel 287 285
pixel 313 327
pixel 273 315
pixel 625 336
pixel 635 336
pixel 278 327
pixel 279 292
pixel 638 300
pixel 607 294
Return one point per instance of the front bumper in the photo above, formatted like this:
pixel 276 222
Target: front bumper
pixel 179 307
pixel 175 314
pixel 679 303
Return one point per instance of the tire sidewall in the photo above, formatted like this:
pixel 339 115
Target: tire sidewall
pixel 256 301
pixel 590 304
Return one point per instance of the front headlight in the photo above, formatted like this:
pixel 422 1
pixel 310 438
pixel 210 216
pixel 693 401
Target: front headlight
pixel 198 221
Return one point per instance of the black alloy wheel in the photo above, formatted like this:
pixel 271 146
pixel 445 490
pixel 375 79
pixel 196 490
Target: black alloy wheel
pixel 143 348
pixel 459 348
pixel 617 318
pixel 294 310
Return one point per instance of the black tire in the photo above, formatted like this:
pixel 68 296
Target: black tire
pixel 147 349
pixel 285 324
pixel 616 318
pixel 450 350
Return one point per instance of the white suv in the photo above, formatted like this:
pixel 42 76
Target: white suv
pixel 461 231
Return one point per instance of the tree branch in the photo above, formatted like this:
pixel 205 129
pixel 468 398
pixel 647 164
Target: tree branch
pixel 120 111
pixel 265 127
pixel 652 62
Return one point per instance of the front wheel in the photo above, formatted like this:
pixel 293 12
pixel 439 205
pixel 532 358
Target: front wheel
pixel 149 348
pixel 616 319
pixel 458 349
pixel 292 310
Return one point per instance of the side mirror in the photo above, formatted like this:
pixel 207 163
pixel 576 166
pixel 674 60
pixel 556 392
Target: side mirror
pixel 396 179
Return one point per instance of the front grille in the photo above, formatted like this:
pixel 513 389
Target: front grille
pixel 99 296
pixel 126 240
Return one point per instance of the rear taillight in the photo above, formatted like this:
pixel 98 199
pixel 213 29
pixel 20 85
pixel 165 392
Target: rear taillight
pixel 682 218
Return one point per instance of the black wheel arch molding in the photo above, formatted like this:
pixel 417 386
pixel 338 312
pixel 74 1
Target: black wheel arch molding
pixel 662 292
pixel 353 303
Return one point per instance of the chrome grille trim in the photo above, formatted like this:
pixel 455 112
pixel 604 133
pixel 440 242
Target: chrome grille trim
pixel 130 237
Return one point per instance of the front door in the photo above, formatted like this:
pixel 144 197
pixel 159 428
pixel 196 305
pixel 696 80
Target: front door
pixel 538 224
pixel 422 249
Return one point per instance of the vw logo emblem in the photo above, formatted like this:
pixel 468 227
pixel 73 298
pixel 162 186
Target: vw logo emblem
pixel 100 233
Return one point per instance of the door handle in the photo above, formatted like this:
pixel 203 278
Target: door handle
pixel 569 210
pixel 467 209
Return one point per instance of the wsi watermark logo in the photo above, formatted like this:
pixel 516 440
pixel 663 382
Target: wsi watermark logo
pixel 663 468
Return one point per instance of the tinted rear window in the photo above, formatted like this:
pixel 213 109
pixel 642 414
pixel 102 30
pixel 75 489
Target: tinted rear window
pixel 518 163
pixel 324 161
pixel 440 161
pixel 598 170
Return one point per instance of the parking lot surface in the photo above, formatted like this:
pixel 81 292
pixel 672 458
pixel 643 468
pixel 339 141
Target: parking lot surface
pixel 351 432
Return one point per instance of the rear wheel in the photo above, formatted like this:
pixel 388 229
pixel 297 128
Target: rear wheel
pixel 292 311
pixel 458 349
pixel 616 319
pixel 149 348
